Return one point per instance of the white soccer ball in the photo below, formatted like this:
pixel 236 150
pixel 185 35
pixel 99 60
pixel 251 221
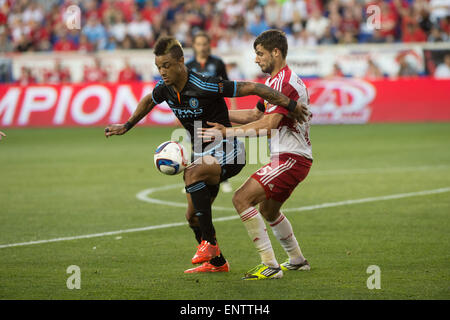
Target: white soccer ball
pixel 170 158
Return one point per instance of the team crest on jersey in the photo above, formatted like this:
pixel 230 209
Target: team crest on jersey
pixel 193 103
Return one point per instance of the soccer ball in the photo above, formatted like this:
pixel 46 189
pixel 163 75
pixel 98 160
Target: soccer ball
pixel 170 158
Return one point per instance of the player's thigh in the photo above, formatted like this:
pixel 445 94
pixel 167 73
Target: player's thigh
pixel 270 209
pixel 205 169
pixel 249 194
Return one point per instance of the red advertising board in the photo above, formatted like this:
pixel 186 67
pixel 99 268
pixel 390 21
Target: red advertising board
pixel 340 100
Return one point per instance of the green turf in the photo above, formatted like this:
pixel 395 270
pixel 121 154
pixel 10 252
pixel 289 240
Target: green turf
pixel 68 182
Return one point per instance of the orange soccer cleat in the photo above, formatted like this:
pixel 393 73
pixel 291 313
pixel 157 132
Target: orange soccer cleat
pixel 208 267
pixel 205 252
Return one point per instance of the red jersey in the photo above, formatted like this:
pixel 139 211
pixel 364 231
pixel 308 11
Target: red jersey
pixel 291 137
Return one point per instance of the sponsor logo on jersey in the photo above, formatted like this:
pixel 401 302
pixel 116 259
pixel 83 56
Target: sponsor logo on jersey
pixel 187 113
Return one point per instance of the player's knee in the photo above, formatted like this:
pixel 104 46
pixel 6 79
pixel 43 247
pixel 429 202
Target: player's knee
pixel 240 201
pixel 191 219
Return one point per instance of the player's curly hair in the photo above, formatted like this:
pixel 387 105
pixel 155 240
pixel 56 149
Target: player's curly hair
pixel 272 39
pixel 166 45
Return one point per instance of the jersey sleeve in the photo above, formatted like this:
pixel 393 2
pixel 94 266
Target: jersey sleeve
pixel 158 93
pixel 223 88
pixel 290 92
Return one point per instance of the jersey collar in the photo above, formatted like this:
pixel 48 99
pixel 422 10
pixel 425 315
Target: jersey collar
pixel 286 67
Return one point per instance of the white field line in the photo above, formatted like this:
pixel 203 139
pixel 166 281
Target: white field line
pixel 170 225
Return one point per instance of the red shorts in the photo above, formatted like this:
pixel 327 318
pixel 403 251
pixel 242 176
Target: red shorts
pixel 280 177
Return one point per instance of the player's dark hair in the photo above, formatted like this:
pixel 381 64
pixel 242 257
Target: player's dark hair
pixel 272 39
pixel 166 45
pixel 201 34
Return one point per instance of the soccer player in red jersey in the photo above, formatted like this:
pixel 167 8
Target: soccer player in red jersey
pixel 291 159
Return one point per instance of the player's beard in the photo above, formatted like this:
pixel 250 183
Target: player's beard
pixel 268 68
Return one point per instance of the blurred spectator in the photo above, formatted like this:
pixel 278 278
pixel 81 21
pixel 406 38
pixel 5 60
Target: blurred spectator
pixel 445 26
pixel 413 33
pixel 443 70
pixel 372 71
pixel 233 11
pixel 140 28
pixel 406 69
pixel 336 72
pixel 118 27
pixel 85 45
pixel 289 9
pixel 304 38
pixel 257 26
pixel 272 13
pixel 58 75
pixel 436 35
pixel 36 25
pixel 64 44
pixel 349 25
pixel 388 22
pixel 328 37
pixel 439 9
pixel 95 73
pixel 95 33
pixel 317 24
pixel 128 73
pixel 111 43
pixel 26 77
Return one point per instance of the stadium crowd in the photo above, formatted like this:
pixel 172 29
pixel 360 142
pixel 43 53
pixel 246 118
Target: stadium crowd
pixel 40 25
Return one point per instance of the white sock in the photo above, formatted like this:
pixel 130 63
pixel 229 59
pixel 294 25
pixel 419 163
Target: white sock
pixel 256 228
pixel 282 230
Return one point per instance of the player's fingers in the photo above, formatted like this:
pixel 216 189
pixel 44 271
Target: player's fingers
pixel 213 124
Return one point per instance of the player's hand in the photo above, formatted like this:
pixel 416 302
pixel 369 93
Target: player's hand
pixel 301 113
pixel 209 134
pixel 2 135
pixel 115 129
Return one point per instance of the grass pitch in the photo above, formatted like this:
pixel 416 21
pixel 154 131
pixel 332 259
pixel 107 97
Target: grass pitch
pixel 57 183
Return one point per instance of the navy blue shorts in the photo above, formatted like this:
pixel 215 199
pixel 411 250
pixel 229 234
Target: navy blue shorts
pixel 229 153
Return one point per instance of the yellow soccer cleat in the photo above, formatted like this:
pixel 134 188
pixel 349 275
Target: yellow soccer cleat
pixel 261 272
pixel 286 266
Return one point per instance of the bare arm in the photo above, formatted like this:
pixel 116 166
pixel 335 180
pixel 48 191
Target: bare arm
pixel 244 116
pixel 247 88
pixel 143 108
pixel 298 110
pixel 260 127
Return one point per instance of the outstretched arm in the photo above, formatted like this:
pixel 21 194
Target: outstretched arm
pixel 246 88
pixel 245 116
pixel 260 127
pixel 144 107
